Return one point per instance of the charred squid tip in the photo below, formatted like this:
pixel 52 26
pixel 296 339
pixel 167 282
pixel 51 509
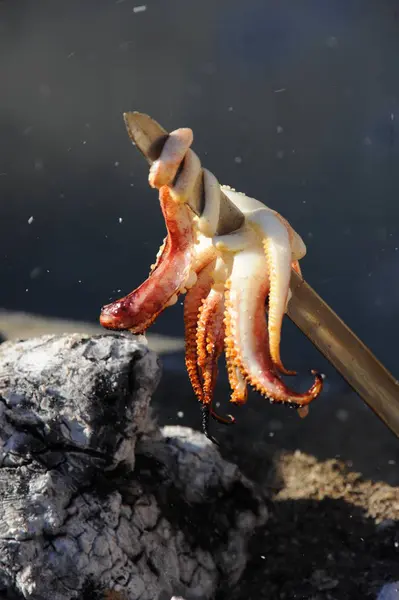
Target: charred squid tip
pixel 318 383
pixel 280 367
pixel 285 371
pixel 318 376
pixel 227 420
pixel 206 411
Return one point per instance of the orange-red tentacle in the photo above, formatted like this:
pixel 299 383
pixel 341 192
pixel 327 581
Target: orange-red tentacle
pixel 192 305
pixel 210 341
pixel 139 309
pixel 247 333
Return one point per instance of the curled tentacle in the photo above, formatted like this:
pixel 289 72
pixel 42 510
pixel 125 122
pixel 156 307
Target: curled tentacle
pixel 176 153
pixel 246 329
pixel 139 309
pixel 277 246
pixel 163 171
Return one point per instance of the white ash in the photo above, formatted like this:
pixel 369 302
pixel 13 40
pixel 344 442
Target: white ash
pixel 93 496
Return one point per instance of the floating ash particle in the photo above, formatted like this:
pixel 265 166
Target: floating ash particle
pixel 279 90
pixel 45 90
pixel 120 220
pixel 139 9
pixel 342 415
pixel 323 581
pixel 35 272
pixel 116 163
pixel 180 414
pixel 30 220
pixel 279 129
pixel 230 109
pixel 275 425
pixel 238 160
pixel 262 556
pixel 332 41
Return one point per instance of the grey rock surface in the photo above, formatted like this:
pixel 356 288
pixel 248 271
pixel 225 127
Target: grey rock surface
pixel 390 591
pixel 95 500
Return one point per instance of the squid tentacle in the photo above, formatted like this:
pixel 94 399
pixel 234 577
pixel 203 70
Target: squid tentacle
pixel 210 342
pixel 139 309
pixel 201 353
pixel 192 305
pixel 164 170
pixel 247 334
pixel 278 250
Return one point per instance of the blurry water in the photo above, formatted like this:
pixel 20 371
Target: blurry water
pixel 294 103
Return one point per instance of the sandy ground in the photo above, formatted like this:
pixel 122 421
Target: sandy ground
pixel 332 534
pixel 19 325
pixel 331 482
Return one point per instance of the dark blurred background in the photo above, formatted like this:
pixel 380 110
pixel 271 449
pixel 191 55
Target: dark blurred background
pixel 295 103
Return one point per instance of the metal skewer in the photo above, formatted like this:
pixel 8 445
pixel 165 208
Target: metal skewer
pixel 342 348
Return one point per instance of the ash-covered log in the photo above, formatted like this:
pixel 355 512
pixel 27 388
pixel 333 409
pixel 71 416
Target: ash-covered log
pixel 95 500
